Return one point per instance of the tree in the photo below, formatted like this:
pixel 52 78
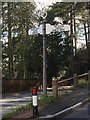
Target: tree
pixel 17 19
pixel 34 57
pixel 58 54
pixel 69 13
pixel 58 50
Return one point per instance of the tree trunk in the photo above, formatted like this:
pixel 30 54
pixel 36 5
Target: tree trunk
pixel 75 43
pixel 11 70
pixel 71 28
pixel 75 37
pixel 85 34
pixel 89 39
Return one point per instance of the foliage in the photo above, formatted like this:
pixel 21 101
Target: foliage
pixel 82 57
pixel 63 9
pixel 33 57
pixel 57 53
pixel 74 14
pixel 46 99
pixel 17 19
pixel 82 82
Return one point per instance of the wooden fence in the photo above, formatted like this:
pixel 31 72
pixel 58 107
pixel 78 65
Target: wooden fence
pixel 25 85
pixel 73 81
pixel 15 85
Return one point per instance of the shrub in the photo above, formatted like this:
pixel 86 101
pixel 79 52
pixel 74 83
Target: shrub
pixel 82 82
pixel 46 99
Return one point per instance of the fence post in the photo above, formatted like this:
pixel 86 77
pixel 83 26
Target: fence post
pixel 55 87
pixel 89 76
pixel 75 80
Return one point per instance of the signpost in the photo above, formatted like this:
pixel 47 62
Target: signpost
pixel 44 29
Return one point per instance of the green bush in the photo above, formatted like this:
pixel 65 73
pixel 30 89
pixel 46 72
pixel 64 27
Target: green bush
pixel 82 82
pixel 46 99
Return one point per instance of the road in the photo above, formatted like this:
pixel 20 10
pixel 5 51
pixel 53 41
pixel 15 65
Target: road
pixel 10 101
pixel 83 112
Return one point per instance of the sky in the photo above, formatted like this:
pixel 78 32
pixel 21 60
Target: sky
pixel 48 1
pixel 43 3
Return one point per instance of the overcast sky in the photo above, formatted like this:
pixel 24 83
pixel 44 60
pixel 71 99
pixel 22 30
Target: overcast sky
pixel 44 3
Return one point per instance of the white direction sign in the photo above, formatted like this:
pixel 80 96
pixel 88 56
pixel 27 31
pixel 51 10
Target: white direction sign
pixel 33 31
pixel 66 27
pixel 49 29
pixel 61 27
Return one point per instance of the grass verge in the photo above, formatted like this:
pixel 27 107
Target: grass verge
pixel 16 111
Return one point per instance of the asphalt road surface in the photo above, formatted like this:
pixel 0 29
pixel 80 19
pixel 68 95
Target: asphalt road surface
pixel 81 113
